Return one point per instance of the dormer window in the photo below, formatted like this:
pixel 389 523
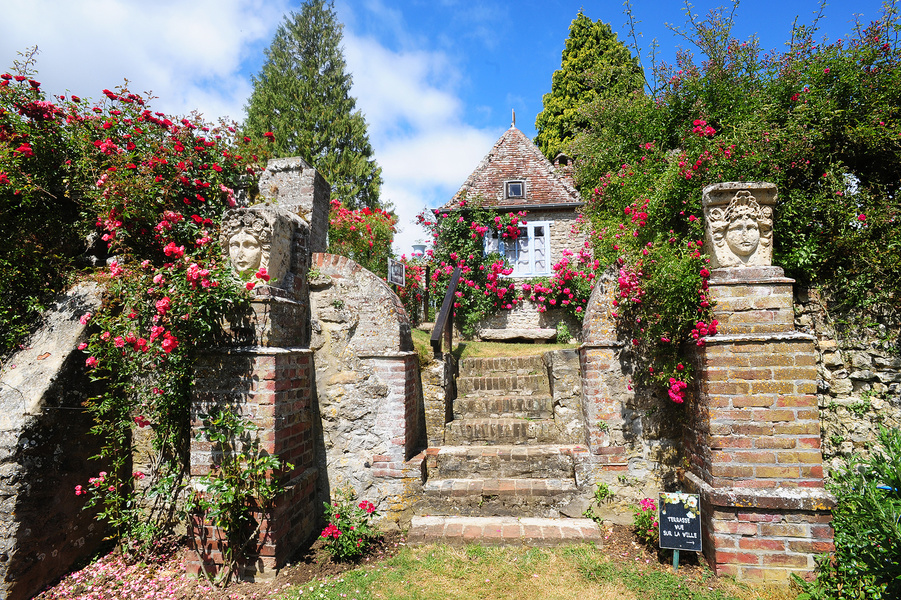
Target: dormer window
pixel 516 189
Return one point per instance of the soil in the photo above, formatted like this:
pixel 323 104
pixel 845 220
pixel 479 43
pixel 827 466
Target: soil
pixel 314 563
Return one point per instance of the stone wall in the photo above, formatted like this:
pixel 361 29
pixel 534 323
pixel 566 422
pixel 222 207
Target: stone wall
pixel 748 438
pixel 633 434
pixel 368 387
pixel 45 450
pixel 292 184
pixel 858 362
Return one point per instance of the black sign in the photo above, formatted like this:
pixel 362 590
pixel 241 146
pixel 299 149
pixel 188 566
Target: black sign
pixel 680 521
pixel 396 272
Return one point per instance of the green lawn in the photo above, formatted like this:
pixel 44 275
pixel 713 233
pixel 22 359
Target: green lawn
pixel 477 572
pixel 472 349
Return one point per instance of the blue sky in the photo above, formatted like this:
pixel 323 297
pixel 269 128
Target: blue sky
pixel 436 79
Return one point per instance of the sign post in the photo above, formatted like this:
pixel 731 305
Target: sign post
pixel 396 272
pixel 680 523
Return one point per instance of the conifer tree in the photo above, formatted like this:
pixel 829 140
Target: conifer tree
pixel 302 95
pixel 595 65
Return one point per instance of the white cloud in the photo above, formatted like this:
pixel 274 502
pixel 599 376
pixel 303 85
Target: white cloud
pixel 200 54
pixel 425 149
pixel 190 55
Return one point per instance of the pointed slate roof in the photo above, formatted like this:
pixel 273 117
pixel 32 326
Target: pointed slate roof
pixel 515 158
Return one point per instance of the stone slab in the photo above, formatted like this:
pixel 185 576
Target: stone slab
pixel 501 335
pixel 812 499
pixel 503 531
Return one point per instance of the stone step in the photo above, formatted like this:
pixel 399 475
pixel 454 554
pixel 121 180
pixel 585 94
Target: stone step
pixel 506 365
pixel 503 531
pixel 486 462
pixel 503 384
pixel 468 432
pixel 522 407
pixel 496 497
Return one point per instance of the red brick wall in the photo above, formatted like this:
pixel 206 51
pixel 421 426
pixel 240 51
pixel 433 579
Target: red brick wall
pixel 758 424
pixel 272 389
pixel 404 417
pixel 753 440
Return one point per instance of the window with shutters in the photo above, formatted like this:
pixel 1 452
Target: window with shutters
pixel 529 254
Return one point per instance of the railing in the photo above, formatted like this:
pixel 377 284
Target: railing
pixel 444 323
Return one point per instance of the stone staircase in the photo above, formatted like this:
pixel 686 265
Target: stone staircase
pixel 502 476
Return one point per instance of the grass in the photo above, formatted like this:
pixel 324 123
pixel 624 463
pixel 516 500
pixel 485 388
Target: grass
pixel 477 572
pixel 474 349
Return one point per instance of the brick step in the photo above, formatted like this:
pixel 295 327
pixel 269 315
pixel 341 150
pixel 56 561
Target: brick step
pixel 503 531
pixel 503 384
pixel 522 407
pixel 468 432
pixel 496 497
pixel 486 462
pixel 505 365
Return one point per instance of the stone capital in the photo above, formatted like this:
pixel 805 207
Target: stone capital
pixel 739 223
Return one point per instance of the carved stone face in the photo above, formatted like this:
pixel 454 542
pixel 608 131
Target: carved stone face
pixel 245 252
pixel 743 235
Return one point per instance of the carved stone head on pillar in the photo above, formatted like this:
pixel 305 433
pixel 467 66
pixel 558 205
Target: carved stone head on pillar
pixel 740 223
pixel 254 239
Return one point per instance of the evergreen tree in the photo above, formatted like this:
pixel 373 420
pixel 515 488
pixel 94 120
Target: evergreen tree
pixel 595 65
pixel 302 95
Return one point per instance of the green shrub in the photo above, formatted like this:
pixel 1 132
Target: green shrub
pixel 349 532
pixel 867 521
pixel 644 522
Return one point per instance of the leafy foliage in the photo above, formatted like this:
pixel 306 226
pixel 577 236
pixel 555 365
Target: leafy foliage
pixel 820 121
pixel 349 532
pixel 595 65
pixel 867 522
pixel 364 235
pixel 238 491
pixel 302 95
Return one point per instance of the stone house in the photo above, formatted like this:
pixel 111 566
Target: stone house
pixel 515 176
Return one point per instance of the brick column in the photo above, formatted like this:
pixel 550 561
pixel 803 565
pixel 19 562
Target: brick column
pixel 603 386
pixel 754 448
pixel 401 420
pixel 272 388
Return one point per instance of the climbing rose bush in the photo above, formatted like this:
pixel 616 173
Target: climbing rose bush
pixel 364 235
pixel 349 532
pixel 570 286
pixel 458 239
pixel 818 120
pixel 644 522
pixel 151 189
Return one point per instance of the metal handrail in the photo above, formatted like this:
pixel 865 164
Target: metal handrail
pixel 444 323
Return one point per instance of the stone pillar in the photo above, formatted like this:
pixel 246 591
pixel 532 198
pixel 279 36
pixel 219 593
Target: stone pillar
pixel 754 447
pixel 265 375
pixel 368 385
pixel 293 185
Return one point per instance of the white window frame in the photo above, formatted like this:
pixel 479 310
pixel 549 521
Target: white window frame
pixel 495 243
